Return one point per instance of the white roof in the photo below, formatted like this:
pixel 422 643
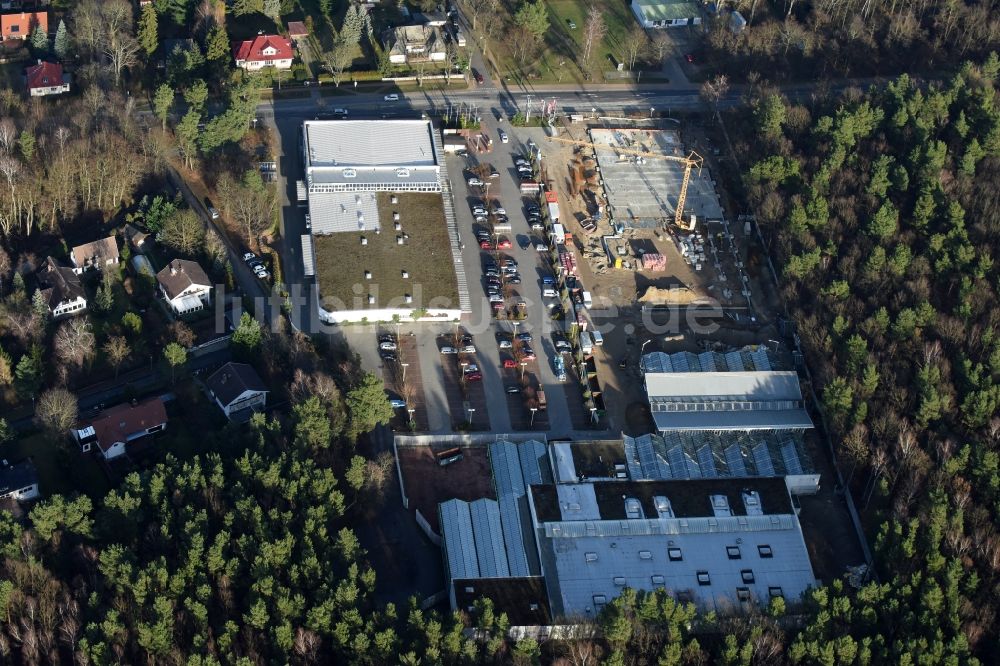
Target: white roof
pixel 355 143
pixel 333 212
pixel 755 385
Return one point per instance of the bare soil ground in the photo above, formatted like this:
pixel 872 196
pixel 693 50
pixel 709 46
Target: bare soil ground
pixel 428 484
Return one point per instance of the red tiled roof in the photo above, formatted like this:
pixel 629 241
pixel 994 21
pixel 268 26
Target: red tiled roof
pixel 251 50
pixel 297 29
pixel 44 75
pixel 118 423
pixel 25 22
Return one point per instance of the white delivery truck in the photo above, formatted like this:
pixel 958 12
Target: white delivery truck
pixel 586 343
pixel 588 300
pixel 558 234
pixel 598 338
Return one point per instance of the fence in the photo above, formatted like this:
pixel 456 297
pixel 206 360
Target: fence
pixel 426 527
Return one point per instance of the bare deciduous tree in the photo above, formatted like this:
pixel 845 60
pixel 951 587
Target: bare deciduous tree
pixel 56 410
pixel 117 350
pixel 74 343
pixel 122 52
pixel 594 31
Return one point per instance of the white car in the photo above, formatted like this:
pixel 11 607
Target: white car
pixel 505 344
pixel 387 346
pixel 262 273
pixel 503 137
pixel 448 350
pixel 397 403
pixel 391 98
pixel 474 182
pixel 468 349
pixel 214 213
pixel 249 256
pixel 499 210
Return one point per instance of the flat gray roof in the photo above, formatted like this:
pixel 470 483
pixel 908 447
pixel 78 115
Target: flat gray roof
pixel 742 420
pixel 358 143
pixel 754 385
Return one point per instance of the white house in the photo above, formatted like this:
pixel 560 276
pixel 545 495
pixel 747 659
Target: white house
pixel 238 390
pixel 185 286
pixel 61 289
pixel 111 430
pixel 19 481
pixel 46 78
pixel 95 255
pixel 264 51
pixel 416 43
pixel 665 14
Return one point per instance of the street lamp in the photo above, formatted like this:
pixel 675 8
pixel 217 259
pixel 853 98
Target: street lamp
pixel 524 364
pixel 651 112
pixel 464 365
pixel 471 410
pixel 593 414
pixel 532 423
pixel 404 366
pixel 411 412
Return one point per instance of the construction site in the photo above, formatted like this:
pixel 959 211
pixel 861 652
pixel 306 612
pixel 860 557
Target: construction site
pixel 645 217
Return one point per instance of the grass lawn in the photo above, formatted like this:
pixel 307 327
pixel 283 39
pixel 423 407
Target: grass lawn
pixel 558 60
pixel 341 260
pixel 61 469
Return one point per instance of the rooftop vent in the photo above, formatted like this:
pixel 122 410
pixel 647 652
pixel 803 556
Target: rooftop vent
pixel 720 506
pixel 395 215
pixel 633 509
pixel 406 274
pixel 394 199
pixel 407 298
pixel 663 508
pixel 371 300
pixel 400 240
pixel 368 275
pixel 364 241
pixel 751 500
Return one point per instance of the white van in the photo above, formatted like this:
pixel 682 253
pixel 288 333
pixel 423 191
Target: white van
pixel 549 292
pixel 598 338
pixel 586 344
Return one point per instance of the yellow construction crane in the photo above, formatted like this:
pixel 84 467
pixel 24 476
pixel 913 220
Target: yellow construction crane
pixel 693 160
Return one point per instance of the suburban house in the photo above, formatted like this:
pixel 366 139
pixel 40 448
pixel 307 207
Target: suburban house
pixel 665 14
pixel 416 43
pixel 19 481
pixel 297 30
pixel 435 19
pixel 185 286
pixel 139 240
pixel 238 390
pixel 46 78
pixel 95 255
pixel 20 26
pixel 111 430
pixel 61 289
pixel 264 51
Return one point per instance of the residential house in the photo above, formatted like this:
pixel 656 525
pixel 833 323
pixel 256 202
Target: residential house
pixel 264 51
pixel 238 390
pixel 61 289
pixel 46 78
pixel 20 26
pixel 185 286
pixel 95 255
pixel 297 30
pixel 435 19
pixel 19 481
pixel 111 430
pixel 666 14
pixel 140 241
pixel 416 43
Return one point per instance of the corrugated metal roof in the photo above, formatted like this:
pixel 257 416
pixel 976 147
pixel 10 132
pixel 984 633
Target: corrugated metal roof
pixel 533 458
pixel 762 459
pixel 489 540
pixel 735 462
pixel 458 539
pixel 745 420
pixel 706 462
pixel 790 457
pixel 506 464
pixel 308 257
pixel 510 523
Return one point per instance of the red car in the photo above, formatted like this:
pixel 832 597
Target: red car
pixel 485 245
pixel 528 357
pixel 509 363
pixel 473 376
pixel 503 243
pixel 689 57
pixel 478 77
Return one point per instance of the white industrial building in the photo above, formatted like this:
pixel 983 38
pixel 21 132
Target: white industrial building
pixel 738 390
pixel 555 548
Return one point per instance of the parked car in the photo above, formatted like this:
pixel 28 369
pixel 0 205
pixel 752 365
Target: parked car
pixel 493 172
pixel 478 209
pixel 397 403
pixel 571 23
pixel 589 226
pixel 499 210
pixel 506 344
pixel 525 337
pixel 261 272
pixel 520 161
pixel 503 243
pixel 503 137
pixel 689 57
pixel 468 349
pixel 485 245
pixel 537 226
pixel 448 350
pixel 509 363
pixel 340 112
pixel 474 182
pixel 478 77
pixel 391 98
pixel 387 337
pixel 513 389
pixel 563 346
pixel 541 247
pixel 514 278
pixel 388 356
pixel 388 346
pixel 528 355
pixel 473 376
pixel 249 256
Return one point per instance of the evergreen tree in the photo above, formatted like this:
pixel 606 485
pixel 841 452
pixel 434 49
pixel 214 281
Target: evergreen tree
pixel 368 405
pixel 40 306
pixel 163 98
pixel 196 95
pixel 104 299
pixel 28 374
pixel 39 41
pixel 147 33
pixel 61 44
pixel 217 44
pixel 175 355
pixel 247 336
pixel 26 143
